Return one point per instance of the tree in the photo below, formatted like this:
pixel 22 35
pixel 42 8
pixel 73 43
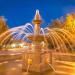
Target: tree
pixel 3 25
pixel 69 23
pixel 56 24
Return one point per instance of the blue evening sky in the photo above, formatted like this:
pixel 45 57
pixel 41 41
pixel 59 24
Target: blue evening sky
pixel 19 12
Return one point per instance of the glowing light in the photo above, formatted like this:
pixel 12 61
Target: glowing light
pixel 5 62
pixel 13 68
pixel 32 45
pixel 12 54
pixel 43 44
pixel 29 61
pixel 20 65
pixel 47 60
pixel 74 22
pixel 26 47
pixel 21 45
pixel 13 45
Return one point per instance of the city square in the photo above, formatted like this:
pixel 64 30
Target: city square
pixel 31 50
pixel 34 48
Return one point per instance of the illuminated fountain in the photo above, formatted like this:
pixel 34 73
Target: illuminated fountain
pixel 38 62
pixel 41 47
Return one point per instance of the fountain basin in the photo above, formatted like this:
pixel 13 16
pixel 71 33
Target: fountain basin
pixel 39 66
pixel 37 38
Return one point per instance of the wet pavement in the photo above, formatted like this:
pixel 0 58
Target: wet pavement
pixel 15 68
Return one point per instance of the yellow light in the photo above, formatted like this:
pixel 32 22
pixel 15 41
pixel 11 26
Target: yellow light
pixel 22 44
pixel 74 22
pixel 20 65
pixel 32 45
pixel 29 61
pixel 26 47
pixel 47 60
pixel 5 62
pixel 12 54
pixel 43 44
pixel 13 45
pixel 13 68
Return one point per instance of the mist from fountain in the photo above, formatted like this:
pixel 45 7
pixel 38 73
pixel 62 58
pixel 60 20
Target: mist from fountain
pixel 58 40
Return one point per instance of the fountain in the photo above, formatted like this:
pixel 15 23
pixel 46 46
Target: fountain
pixel 41 48
pixel 38 62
